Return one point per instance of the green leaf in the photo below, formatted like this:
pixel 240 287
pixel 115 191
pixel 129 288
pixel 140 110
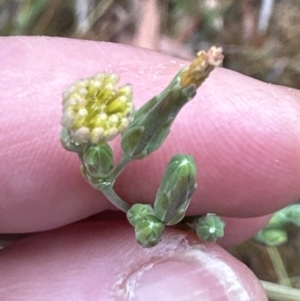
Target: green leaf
pixel 156 118
pixel 148 228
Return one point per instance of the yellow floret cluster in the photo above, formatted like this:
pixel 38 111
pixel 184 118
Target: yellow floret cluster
pixel 94 111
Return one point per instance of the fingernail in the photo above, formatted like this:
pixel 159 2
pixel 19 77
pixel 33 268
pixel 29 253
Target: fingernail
pixel 192 274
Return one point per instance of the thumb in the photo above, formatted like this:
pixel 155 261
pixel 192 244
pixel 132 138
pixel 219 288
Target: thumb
pixel 101 261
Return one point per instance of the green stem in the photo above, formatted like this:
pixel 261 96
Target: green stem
pixel 115 199
pixel 279 292
pixel 278 265
pixel 119 168
pixel 106 186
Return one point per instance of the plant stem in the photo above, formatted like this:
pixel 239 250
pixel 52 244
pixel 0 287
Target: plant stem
pixel 106 186
pixel 119 168
pixel 279 292
pixel 278 265
pixel 115 199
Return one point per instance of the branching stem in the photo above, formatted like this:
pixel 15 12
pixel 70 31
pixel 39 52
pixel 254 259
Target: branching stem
pixel 115 199
pixel 119 168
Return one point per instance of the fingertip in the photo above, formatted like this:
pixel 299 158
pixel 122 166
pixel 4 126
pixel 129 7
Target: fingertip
pixel 238 230
pixel 244 135
pixel 106 260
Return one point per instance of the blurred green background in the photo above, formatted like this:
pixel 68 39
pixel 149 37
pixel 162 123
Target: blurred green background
pixel 260 38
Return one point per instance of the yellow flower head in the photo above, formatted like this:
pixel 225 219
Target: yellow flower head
pixel 201 66
pixel 94 111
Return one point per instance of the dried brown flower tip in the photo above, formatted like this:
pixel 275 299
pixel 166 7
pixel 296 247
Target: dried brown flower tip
pixel 201 66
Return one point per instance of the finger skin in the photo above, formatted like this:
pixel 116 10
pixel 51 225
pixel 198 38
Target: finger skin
pixel 101 261
pixel 238 230
pixel 244 136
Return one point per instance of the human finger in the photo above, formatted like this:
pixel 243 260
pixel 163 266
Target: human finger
pixel 243 134
pixel 101 261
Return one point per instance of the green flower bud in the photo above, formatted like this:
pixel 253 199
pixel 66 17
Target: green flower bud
pixel 176 189
pixel 278 220
pixel 285 217
pixel 293 214
pixel 209 227
pixel 149 232
pixel 148 229
pixel 98 160
pixel 152 122
pixel 139 212
pixel 271 237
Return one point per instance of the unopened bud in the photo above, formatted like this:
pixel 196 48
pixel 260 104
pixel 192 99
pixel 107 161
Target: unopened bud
pixel 279 220
pixel 176 189
pixel 271 237
pixel 148 228
pixel 149 232
pixel 152 122
pixel 293 214
pixel 209 227
pixel 98 160
pixel 139 212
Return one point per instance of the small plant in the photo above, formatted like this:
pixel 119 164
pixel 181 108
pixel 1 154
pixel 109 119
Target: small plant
pixel 95 112
pixel 274 233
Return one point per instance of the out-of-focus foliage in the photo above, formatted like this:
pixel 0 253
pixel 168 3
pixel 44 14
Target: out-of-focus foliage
pixel 260 38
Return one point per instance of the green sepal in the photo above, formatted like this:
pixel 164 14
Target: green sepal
pixel 209 227
pixel 156 118
pixel 143 110
pixel 98 160
pixel 271 237
pixel 148 233
pixel 148 229
pixel 69 144
pixel 138 213
pixel 103 183
pixel 176 189
pixel 150 104
pixel 159 136
pixel 130 140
